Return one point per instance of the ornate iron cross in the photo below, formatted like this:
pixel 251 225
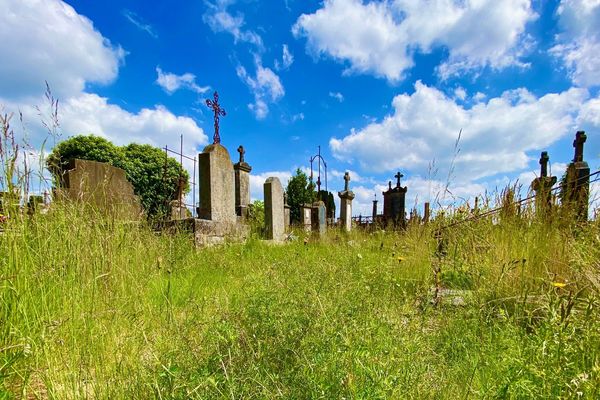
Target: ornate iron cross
pixel 218 111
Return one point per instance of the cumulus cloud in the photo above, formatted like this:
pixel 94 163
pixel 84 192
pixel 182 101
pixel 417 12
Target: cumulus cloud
pixel 381 37
pixel 171 82
pixel 265 86
pixel 258 180
pixel 46 40
pixel 578 44
pixel 496 135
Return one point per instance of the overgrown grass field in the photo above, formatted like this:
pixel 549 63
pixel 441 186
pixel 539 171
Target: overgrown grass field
pixel 93 308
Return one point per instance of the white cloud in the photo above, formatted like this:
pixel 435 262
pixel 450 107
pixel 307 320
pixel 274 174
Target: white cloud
pixel 337 95
pixel 578 44
pixel 460 93
pixel 265 86
pixel 287 59
pixel 137 21
pixel 382 37
pixel 496 135
pixel 220 20
pixel 46 40
pixel 171 82
pixel 258 180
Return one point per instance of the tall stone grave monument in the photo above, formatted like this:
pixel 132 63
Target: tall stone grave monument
pixel 542 186
pixel 319 218
pixel 242 184
pixel 346 197
pixel 394 202
pixel 577 190
pixel 217 202
pixel 274 210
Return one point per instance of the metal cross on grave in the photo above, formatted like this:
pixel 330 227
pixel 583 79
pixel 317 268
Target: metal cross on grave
pixel 346 180
pixel 398 176
pixel 242 152
pixel 218 111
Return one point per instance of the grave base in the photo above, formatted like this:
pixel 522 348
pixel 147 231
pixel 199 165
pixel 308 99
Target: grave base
pixel 209 233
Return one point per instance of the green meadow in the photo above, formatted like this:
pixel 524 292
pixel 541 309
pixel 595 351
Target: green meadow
pixel 95 308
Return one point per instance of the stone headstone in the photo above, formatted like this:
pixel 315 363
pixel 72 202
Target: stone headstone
pixel 542 186
pixel 306 210
pixel 274 210
pixel 578 180
pixel 346 197
pixel 217 191
pixel 101 185
pixel 426 213
pixel 394 202
pixel 319 218
pixel 242 184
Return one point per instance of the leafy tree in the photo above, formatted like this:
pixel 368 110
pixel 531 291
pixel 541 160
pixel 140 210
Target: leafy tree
pixel 299 191
pixel 327 198
pixel 256 215
pixel 155 177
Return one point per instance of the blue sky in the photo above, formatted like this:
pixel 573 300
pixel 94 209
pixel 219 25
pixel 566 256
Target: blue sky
pixel 380 86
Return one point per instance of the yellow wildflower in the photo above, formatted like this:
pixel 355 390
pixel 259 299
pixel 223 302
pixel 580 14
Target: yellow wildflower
pixel 559 284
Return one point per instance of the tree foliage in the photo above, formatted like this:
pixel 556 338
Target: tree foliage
pixel 155 177
pixel 299 191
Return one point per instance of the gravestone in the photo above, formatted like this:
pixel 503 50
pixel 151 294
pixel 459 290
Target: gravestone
pixel 577 190
pixel 374 212
pixel 346 197
pixel 426 213
pixel 102 186
pixel 286 212
pixel 394 202
pixel 274 210
pixel 306 210
pixel 217 200
pixel 542 186
pixel 319 218
pixel 242 184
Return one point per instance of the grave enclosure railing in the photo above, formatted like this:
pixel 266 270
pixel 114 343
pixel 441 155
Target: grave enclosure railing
pixel 191 181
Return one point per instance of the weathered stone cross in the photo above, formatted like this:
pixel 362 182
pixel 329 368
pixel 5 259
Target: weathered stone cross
pixel 346 180
pixel 218 111
pixel 544 164
pixel 580 139
pixel 398 176
pixel 242 152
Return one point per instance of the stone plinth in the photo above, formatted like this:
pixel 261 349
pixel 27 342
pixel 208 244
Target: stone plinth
pixel 217 191
pixel 242 188
pixel 319 217
pixel 346 198
pixel 274 210
pixel 209 233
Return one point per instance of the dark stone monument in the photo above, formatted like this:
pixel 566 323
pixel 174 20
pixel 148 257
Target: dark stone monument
pixel 577 185
pixel 542 186
pixel 374 209
pixel 242 184
pixel 426 213
pixel 394 202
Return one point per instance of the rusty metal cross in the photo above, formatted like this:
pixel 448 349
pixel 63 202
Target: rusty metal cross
pixel 218 111
pixel 398 176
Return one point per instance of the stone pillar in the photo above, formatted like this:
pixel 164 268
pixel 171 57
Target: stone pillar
pixel 426 213
pixel 542 186
pixel 374 211
pixel 306 217
pixel 387 213
pixel 346 198
pixel 319 218
pixel 274 210
pixel 242 186
pixel 286 213
pixel 217 189
pixel 577 190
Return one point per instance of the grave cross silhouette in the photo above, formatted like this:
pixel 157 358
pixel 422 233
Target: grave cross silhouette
pixel 544 164
pixel 346 180
pixel 580 138
pixel 218 111
pixel 242 152
pixel 398 176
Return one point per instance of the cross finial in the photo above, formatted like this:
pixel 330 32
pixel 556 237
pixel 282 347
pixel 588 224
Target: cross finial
pixel 242 152
pixel 398 176
pixel 544 164
pixel 390 185
pixel 346 180
pixel 218 111
pixel 580 138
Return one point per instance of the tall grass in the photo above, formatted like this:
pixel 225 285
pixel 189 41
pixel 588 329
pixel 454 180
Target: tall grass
pixel 94 308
